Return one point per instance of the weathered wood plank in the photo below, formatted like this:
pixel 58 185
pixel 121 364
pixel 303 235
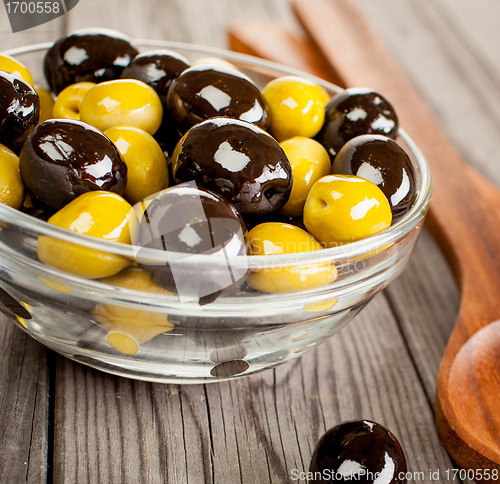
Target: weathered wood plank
pixel 258 429
pixel 425 292
pixel 24 406
pixel 455 68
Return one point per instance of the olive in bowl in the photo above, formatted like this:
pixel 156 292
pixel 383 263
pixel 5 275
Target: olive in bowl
pixel 11 184
pixel 19 110
pixel 156 68
pixel 64 158
pixel 382 161
pixel 354 112
pixel 122 102
pixel 100 214
pixel 238 160
pixel 93 55
pixel 207 91
pixel 190 220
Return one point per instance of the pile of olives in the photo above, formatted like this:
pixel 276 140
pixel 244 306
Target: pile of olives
pixel 153 150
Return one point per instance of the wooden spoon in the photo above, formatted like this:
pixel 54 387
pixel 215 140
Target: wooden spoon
pixel 464 217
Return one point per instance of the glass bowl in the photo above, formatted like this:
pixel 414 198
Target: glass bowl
pixel 161 337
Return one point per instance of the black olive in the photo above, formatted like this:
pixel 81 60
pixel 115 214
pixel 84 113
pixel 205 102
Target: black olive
pixel 93 55
pixel 238 160
pixel 157 69
pixel 358 451
pixel 19 110
pixel 354 112
pixel 206 91
pixel 192 220
pixel 64 158
pixel 382 161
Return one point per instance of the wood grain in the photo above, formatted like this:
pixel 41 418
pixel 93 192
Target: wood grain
pixel 195 434
pixel 24 406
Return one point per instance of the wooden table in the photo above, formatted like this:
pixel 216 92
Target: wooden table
pixel 63 422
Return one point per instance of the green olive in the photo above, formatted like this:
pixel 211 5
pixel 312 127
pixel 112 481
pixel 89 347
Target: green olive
pixel 122 102
pixel 344 208
pixel 98 214
pixel 272 238
pixel 46 103
pixel 9 64
pixel 310 162
pixel 69 100
pixel 11 183
pixel 147 171
pixel 297 107
pixel 127 328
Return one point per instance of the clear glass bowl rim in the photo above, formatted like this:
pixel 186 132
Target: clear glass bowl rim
pixel 351 250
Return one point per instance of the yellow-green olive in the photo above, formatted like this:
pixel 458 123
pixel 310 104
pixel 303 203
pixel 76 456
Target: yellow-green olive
pixel 297 107
pixel 46 103
pixel 344 208
pixel 122 102
pixel 147 171
pixel 272 238
pixel 310 162
pixel 9 64
pixel 98 214
pixel 11 183
pixel 127 327
pixel 69 100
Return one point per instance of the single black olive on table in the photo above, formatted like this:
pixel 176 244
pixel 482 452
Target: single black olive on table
pixel 358 451
pixel 19 110
pixel 64 158
pixel 238 160
pixel 191 220
pixel 206 91
pixel 382 161
pixel 93 55
pixel 354 112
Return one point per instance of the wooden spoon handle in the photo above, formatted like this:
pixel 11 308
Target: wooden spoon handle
pixel 464 215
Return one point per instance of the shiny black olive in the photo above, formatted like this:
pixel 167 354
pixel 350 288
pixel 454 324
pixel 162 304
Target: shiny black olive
pixel 93 55
pixel 238 160
pixel 205 91
pixel 156 68
pixel 382 161
pixel 358 451
pixel 19 110
pixel 191 220
pixel 354 112
pixel 64 158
